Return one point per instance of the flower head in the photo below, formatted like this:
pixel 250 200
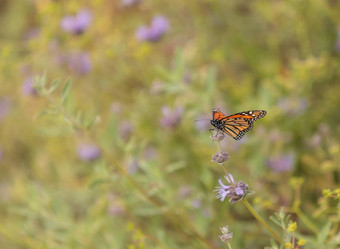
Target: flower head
pixel 281 163
pixel 88 152
pixel 78 23
pixel 171 118
pixel 27 87
pixel 220 157
pixel 217 135
pixel 226 234
pixel 235 191
pixel 80 63
pixel 159 26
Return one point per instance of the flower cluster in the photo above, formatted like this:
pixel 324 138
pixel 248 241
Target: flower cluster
pixel 159 26
pixel 78 23
pixel 235 191
pixel 171 118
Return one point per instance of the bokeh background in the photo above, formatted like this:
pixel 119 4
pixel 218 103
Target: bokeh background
pixel 120 163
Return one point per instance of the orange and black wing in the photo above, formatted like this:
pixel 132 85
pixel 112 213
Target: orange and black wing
pixel 238 124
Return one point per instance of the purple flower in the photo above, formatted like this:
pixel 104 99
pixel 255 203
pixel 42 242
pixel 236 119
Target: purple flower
pixel 220 157
pixel 293 106
pixel 133 167
pixel 171 118
pixel 281 163
pixel 235 191
pixel 78 23
pixel 88 152
pixel 131 2
pixel 217 135
pixel 159 26
pixel 80 63
pixel 185 191
pixel 27 87
pixel 5 107
pixel 226 236
pixel 196 203
pixel 125 130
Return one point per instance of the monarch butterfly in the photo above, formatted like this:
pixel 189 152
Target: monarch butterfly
pixel 236 125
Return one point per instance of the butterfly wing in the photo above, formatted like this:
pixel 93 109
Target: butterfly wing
pixel 238 124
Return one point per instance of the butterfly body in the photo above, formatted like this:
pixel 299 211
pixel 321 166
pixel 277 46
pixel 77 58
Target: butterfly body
pixel 238 124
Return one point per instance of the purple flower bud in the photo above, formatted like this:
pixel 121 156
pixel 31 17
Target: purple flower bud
pixel 220 157
pixel 217 135
pixel 78 23
pixel 27 87
pixel 171 118
pixel 80 63
pixel 116 210
pixel 133 167
pixel 281 163
pixel 226 236
pixel 88 152
pixel 125 130
pixel 159 26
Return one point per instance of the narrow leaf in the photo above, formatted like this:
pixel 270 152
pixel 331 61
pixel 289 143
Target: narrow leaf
pixel 65 90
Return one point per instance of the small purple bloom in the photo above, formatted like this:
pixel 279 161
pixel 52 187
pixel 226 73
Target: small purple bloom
pixel 217 135
pixel 293 106
pixel 78 23
pixel 133 167
pixel 281 163
pixel 27 87
pixel 235 191
pixel 150 153
pixel 171 118
pixel 226 236
pixel 80 63
pixel 185 191
pixel 159 26
pixel 131 2
pixel 125 130
pixel 220 157
pixel 196 203
pixel 116 210
pixel 88 152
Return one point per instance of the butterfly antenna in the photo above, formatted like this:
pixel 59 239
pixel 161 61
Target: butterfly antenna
pixel 201 119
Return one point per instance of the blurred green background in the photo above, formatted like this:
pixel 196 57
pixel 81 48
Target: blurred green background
pixel 121 162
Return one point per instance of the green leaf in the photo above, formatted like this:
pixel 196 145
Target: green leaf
pixel 65 90
pixel 54 85
pixel 175 166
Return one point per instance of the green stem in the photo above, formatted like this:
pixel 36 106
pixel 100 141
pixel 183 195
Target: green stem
pixel 229 246
pixel 305 220
pixel 259 218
